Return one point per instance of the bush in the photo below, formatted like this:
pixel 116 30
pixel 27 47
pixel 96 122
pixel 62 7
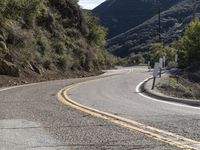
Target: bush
pixel 53 34
pixel 136 59
pixel 60 48
pixel 24 9
pixel 190 44
pixel 65 62
pixel 97 34
pixel 158 50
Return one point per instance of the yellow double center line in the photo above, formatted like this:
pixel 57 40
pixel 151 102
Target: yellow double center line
pixel 160 135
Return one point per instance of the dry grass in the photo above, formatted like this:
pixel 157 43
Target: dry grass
pixel 180 87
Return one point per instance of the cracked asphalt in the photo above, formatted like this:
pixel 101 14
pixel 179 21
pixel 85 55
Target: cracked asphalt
pixel 32 118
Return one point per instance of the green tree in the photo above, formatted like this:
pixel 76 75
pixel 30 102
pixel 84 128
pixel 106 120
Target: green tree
pixel 190 44
pixel 24 9
pixel 97 33
pixel 158 50
pixel 136 59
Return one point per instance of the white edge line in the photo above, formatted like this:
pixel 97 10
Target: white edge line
pixel 31 84
pixel 161 101
pixel 19 86
pixel 137 90
pixel 37 83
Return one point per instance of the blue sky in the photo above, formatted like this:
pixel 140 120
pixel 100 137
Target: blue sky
pixel 90 4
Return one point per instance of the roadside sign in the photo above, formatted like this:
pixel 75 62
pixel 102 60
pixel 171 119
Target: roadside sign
pixel 156 69
pixel 161 63
pixel 148 63
pixel 176 58
pixel 155 73
pixel 164 61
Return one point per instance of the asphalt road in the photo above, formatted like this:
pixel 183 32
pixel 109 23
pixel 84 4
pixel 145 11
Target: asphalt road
pixel 117 95
pixel 31 117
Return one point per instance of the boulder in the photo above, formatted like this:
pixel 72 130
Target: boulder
pixel 3 45
pixel 35 68
pixel 2 38
pixel 7 68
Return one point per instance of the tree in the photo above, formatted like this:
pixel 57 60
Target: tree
pixel 97 34
pixel 24 9
pixel 136 59
pixel 158 50
pixel 190 43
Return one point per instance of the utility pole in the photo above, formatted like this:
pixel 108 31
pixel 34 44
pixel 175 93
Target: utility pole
pixel 159 22
pixel 194 7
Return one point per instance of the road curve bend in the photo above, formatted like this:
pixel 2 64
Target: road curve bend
pixel 115 99
pixel 31 117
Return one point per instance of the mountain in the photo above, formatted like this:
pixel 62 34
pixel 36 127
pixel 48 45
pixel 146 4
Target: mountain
pixel 173 22
pixel 44 37
pixel 121 15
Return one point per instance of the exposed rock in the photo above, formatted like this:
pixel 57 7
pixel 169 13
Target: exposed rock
pixel 2 34
pixel 7 68
pixel 3 45
pixel 2 38
pixel 8 57
pixel 35 68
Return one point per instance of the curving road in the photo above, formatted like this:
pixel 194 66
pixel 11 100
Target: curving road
pixel 32 118
pixel 117 95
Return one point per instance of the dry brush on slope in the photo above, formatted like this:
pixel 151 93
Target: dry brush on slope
pixel 42 36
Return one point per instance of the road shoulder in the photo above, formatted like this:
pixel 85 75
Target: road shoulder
pixel 146 88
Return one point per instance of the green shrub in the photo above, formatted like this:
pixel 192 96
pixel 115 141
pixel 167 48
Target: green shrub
pixel 65 62
pixel 97 34
pixel 25 9
pixel 136 59
pixel 158 50
pixel 53 34
pixel 44 45
pixel 190 44
pixel 60 48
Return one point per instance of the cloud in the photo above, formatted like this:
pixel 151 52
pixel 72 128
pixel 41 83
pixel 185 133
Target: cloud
pixel 90 4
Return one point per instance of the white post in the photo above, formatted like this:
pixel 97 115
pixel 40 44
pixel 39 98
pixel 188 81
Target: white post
pixel 149 66
pixel 160 65
pixel 176 60
pixel 164 61
pixel 155 73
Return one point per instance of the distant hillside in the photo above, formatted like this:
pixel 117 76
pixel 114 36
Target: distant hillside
pixel 138 38
pixel 86 10
pixel 44 37
pixel 121 15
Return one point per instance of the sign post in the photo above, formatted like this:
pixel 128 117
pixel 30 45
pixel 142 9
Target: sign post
pixel 149 66
pixel 160 66
pixel 164 62
pixel 155 73
pixel 176 60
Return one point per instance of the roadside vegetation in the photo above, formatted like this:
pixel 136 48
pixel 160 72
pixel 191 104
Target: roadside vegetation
pixel 158 50
pixel 185 82
pixel 179 86
pixel 42 36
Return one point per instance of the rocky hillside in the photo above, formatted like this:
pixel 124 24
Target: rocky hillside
pixel 137 39
pixel 121 15
pixel 45 37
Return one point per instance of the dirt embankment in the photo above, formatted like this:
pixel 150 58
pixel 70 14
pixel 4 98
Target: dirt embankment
pixel 6 81
pixel 183 84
